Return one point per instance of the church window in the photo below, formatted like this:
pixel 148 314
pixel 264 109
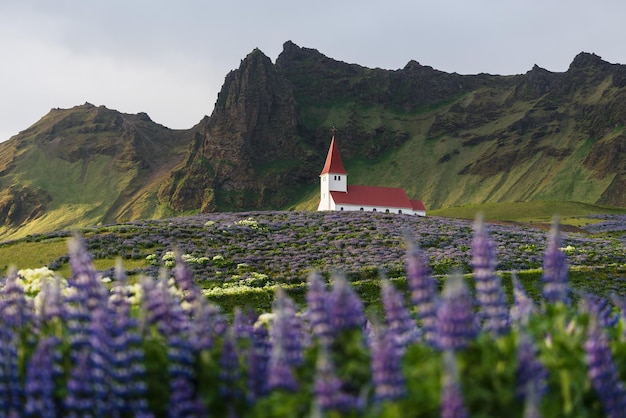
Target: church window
pixel 342 208
pixel 387 211
pixel 399 210
pixel 338 177
pixel 374 210
pixel 361 209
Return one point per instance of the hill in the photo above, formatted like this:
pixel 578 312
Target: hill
pixel 448 139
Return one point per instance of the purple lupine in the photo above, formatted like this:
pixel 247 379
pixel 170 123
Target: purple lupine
pixel 258 363
pixel 88 295
pixel 79 400
pixel 15 315
pixel 452 403
pixel 603 372
pixel 387 377
pixel 208 324
pixel 11 389
pixel 421 284
pixel 345 308
pixel 327 388
pixel 184 280
pixel 523 305
pixel 243 324
pixel 402 328
pixel 229 369
pixel 530 374
pixel 287 349
pixel 127 366
pixel 555 269
pixel 493 308
pixel 100 364
pixel 287 329
pixel 317 308
pixel 160 308
pixel 184 401
pixel 84 279
pixel 42 369
pixel 601 309
pixel 456 326
pixel 15 308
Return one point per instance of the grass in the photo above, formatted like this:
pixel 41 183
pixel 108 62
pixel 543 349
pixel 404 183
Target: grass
pixel 571 213
pixel 23 254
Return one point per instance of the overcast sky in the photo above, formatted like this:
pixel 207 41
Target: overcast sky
pixel 168 58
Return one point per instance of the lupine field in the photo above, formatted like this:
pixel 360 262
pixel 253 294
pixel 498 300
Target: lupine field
pixel 468 320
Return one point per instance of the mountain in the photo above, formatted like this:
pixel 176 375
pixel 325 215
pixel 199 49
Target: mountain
pixel 448 139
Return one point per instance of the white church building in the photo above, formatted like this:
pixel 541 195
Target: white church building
pixel 337 194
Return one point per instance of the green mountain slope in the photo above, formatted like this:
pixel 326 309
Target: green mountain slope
pixel 448 139
pixel 83 166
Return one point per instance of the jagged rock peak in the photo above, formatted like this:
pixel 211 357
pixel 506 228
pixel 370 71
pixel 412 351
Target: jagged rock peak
pixel 586 59
pixel 540 79
pixel 293 53
pixel 412 65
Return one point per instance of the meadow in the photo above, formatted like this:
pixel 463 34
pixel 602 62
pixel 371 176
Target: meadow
pixel 289 314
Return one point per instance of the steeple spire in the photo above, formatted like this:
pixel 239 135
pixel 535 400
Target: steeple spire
pixel 333 164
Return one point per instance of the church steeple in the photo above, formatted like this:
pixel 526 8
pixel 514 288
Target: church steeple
pixel 333 165
pixel 333 178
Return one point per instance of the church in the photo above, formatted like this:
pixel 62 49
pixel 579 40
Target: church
pixel 337 194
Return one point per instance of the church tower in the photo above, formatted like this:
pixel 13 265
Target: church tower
pixel 333 178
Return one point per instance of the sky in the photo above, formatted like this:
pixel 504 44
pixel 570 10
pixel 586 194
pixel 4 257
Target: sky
pixel 169 58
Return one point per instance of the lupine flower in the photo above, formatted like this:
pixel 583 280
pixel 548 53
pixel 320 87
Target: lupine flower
pixel 258 362
pixel 15 309
pixel 184 280
pixel 555 269
pixel 422 287
pixel 42 369
pixel 452 404
pixel 387 377
pixel 603 372
pixel 530 373
pixel 345 308
pixel 160 308
pixel 456 326
pixel 317 308
pixel 11 390
pixel 80 399
pixel 402 328
pixel 183 402
pixel 328 391
pixel 285 333
pixel 100 363
pixel 229 368
pixel 523 306
pixel 208 324
pixel 287 330
pixel 601 309
pixel 90 291
pixel 127 366
pixel 242 324
pixel 494 311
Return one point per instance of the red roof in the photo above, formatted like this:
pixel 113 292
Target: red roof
pixel 418 205
pixel 392 197
pixel 333 160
